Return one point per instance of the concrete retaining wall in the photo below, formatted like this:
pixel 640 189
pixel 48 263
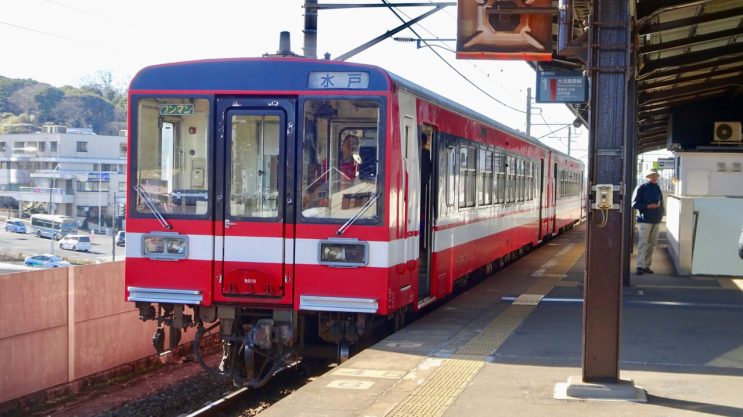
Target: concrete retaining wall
pixel 60 325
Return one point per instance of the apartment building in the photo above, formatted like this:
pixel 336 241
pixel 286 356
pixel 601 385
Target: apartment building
pixel 64 171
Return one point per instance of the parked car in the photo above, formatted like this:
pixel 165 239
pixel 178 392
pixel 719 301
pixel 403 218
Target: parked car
pixel 45 260
pixel 15 226
pixel 75 242
pixel 120 238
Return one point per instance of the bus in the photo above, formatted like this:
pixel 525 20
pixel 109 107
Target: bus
pixel 52 226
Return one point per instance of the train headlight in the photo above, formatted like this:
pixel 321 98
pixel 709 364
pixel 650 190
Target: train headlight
pixel 344 252
pixel 165 246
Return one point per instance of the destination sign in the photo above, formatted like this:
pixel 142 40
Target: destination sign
pixel 325 80
pixel 176 109
pixel 561 87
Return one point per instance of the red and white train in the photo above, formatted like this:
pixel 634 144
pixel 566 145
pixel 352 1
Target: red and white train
pixel 294 202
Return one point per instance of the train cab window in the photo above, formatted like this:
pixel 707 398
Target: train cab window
pixel 341 159
pixel 171 154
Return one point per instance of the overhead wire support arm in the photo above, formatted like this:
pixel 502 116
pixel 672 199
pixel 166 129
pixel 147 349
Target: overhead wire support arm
pixel 389 33
pixel 330 6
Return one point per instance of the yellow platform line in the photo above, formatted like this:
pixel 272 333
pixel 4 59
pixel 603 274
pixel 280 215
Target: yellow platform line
pixel 731 283
pixel 731 359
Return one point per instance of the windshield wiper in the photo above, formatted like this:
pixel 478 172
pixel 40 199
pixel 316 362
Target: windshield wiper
pixel 145 196
pixel 355 217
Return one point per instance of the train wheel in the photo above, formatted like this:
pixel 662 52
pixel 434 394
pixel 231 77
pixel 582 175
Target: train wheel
pixel 344 352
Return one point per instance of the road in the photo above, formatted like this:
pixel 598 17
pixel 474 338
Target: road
pixel 28 244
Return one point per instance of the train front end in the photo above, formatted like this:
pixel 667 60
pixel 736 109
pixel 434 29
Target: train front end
pixel 257 207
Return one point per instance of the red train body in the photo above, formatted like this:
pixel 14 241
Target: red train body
pixel 296 201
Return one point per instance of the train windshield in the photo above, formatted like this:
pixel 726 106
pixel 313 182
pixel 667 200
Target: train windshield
pixel 171 155
pixel 341 159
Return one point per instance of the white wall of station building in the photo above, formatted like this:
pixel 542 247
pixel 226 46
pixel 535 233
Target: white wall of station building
pixel 80 172
pixel 704 212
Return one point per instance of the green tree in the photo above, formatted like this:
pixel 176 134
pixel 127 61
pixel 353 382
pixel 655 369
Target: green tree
pixel 46 100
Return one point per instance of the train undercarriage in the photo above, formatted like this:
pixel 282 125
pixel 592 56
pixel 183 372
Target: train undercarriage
pixel 258 343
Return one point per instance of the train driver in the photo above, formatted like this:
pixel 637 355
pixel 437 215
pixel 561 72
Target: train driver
pixel 349 161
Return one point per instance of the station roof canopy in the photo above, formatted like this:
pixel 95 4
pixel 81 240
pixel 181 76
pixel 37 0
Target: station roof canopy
pixel 688 51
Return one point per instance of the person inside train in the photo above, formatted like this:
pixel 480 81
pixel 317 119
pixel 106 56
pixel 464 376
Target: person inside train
pixel 648 200
pixel 425 158
pixel 348 164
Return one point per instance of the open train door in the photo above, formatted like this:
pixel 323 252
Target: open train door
pixel 257 242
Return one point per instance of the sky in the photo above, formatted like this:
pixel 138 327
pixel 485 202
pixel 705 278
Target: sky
pixel 61 42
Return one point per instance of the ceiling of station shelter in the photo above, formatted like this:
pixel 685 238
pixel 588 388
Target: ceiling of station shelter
pixel 688 51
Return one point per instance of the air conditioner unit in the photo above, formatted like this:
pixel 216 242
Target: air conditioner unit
pixel 727 132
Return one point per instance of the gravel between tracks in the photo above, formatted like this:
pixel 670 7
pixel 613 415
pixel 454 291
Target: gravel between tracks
pixel 173 390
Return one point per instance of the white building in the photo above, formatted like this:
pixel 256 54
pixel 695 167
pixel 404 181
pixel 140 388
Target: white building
pixel 84 175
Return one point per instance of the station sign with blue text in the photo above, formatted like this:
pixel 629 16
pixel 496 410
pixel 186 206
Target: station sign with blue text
pixel 561 87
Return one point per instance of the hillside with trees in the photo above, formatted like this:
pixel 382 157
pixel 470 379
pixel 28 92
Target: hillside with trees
pixel 26 105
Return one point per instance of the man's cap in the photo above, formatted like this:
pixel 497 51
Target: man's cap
pixel 651 172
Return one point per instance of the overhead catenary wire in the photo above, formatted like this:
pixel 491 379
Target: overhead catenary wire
pixel 391 8
pixel 53 35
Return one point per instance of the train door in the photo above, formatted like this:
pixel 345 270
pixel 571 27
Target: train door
pixel 258 223
pixel 427 185
pixel 409 148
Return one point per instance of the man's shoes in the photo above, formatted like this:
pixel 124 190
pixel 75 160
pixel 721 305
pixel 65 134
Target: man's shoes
pixel 648 270
pixel 640 271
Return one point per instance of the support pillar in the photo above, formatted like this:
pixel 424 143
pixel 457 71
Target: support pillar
pixel 609 66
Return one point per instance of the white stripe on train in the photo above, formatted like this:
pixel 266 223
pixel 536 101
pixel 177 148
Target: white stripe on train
pixel 382 254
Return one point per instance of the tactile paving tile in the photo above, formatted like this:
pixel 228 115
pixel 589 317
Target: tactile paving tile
pixel 528 299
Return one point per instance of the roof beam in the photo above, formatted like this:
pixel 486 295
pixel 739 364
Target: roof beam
pixel 698 56
pixel 664 72
pixel 727 72
pixel 680 43
pixel 686 92
pixel 648 28
pixel 647 9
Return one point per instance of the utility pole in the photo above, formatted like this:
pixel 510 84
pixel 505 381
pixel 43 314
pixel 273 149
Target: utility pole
pixel 310 29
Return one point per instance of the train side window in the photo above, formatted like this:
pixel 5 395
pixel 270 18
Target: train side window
pixel 485 186
pixel 499 168
pixel 467 175
pixel 451 175
pixel 510 179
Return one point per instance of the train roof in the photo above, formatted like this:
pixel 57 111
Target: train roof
pixel 286 75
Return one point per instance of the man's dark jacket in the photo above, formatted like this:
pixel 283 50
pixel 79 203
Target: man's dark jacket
pixel 646 194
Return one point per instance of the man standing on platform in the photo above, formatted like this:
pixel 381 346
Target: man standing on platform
pixel 648 200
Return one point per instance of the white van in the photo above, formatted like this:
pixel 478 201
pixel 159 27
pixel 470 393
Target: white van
pixel 75 242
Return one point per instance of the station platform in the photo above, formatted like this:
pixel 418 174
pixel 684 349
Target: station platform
pixel 492 351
